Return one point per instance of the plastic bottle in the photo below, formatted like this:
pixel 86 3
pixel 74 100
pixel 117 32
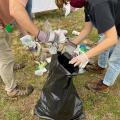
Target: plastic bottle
pixel 8 28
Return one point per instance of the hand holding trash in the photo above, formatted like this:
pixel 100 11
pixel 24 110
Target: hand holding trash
pixel 80 60
pixel 28 42
pixel 69 48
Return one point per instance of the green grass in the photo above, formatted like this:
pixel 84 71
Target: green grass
pixel 12 114
pixel 97 106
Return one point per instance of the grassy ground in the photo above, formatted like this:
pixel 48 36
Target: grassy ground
pixel 97 106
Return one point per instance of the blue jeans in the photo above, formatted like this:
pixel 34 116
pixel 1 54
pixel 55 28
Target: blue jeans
pixel 29 8
pixel 104 56
pixel 113 70
pixel 110 59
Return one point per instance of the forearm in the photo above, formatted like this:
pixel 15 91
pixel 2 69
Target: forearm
pixel 110 40
pixel 18 11
pixel 84 33
pixel 22 31
pixel 107 43
pixel 81 37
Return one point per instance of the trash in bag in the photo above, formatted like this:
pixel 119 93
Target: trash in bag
pixel 59 99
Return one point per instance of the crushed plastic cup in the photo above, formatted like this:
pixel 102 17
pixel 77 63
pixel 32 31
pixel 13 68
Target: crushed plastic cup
pixel 74 32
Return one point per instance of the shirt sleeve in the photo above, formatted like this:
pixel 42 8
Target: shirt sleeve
pixel 103 17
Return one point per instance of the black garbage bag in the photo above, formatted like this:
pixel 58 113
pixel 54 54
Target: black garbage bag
pixel 59 99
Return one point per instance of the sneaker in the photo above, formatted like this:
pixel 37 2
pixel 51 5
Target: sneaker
pixel 95 68
pixel 98 87
pixel 18 66
pixel 20 92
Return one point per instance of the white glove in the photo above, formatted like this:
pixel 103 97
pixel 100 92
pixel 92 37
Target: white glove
pixel 47 37
pixel 80 60
pixel 31 45
pixel 27 41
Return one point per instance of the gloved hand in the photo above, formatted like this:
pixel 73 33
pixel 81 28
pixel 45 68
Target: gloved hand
pixel 47 37
pixel 30 44
pixel 36 51
pixel 80 60
pixel 69 48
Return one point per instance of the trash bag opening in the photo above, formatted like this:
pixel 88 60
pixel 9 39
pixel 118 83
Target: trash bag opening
pixel 64 61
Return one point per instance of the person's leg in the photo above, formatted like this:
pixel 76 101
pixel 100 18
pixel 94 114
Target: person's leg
pixel 6 69
pixel 114 67
pixel 111 75
pixel 102 63
pixel 104 56
pixel 6 63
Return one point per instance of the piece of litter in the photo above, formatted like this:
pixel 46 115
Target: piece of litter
pixel 28 41
pixel 61 33
pixel 75 33
pixel 40 72
pixel 48 60
pixel 53 48
pixel 81 71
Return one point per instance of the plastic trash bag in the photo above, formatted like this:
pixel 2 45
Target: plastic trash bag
pixel 59 99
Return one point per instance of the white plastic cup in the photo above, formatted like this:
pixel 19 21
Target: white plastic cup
pixel 75 33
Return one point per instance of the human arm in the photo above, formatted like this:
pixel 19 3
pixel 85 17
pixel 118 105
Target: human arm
pixel 84 33
pixel 17 11
pixel 105 23
pixel 110 40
